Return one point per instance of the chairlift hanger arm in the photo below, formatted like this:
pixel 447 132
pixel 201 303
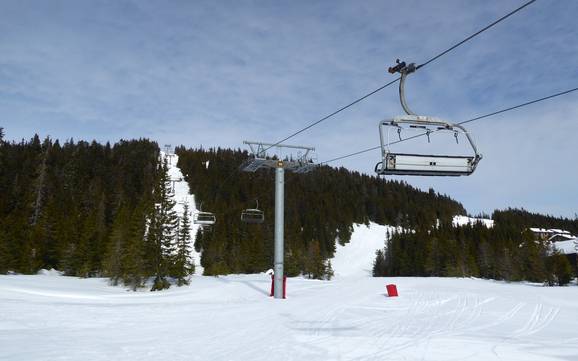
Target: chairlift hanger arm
pixel 404 69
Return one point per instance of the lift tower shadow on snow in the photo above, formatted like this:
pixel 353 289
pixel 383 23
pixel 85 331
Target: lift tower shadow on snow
pixel 302 163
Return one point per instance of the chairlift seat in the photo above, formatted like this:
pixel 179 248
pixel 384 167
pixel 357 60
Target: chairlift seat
pixel 254 216
pixel 426 165
pixel 204 218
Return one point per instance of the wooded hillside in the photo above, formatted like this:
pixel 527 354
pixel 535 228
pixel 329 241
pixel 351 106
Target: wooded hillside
pixel 320 207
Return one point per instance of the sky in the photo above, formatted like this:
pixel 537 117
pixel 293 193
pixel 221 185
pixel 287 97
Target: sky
pixel 215 73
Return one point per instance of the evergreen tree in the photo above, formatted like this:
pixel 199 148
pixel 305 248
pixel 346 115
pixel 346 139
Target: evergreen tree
pixel 530 259
pixel 183 265
pixel 113 261
pixel 559 270
pixel 162 231
pixel 133 255
pixel 379 264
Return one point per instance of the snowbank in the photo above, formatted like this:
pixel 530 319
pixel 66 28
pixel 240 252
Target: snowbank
pixel 50 272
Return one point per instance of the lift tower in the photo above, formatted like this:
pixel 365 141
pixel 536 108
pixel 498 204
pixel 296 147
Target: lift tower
pixel 303 162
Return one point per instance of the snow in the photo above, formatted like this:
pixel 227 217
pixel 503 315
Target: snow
pixel 464 220
pixel 538 230
pixel 50 272
pixel 52 317
pixel 553 231
pixel 181 196
pixel 356 257
pixel 232 318
pixel 566 247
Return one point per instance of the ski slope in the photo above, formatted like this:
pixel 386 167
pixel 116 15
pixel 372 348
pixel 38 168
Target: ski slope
pixel 52 317
pixel 47 317
pixel 181 195
pixel 356 257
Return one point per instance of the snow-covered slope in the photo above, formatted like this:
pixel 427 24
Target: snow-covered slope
pixel 232 318
pixel 464 220
pixel 182 195
pixel 357 256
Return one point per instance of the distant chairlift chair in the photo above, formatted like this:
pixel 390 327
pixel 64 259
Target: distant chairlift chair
pixel 253 215
pixel 204 218
pixel 421 164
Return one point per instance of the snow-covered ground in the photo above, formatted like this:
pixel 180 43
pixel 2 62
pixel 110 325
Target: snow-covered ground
pixel 356 257
pixel 181 195
pixel 464 220
pixel 50 317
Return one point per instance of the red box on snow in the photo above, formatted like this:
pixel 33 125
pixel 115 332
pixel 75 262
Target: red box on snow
pixel 391 290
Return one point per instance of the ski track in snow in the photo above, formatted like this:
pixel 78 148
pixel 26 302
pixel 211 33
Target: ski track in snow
pixel 231 318
pixel 51 317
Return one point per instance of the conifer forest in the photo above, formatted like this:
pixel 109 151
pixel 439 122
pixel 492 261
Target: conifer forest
pixel 89 209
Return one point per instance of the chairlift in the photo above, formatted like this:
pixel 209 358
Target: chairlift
pixel 421 164
pixel 204 218
pixel 253 215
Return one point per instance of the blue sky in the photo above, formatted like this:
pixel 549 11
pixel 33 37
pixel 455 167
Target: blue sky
pixel 215 73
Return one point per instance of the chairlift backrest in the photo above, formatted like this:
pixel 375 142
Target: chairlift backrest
pixel 204 218
pixel 254 216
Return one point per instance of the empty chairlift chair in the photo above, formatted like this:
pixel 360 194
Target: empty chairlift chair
pixel 421 164
pixel 253 215
pixel 204 218
pixel 424 164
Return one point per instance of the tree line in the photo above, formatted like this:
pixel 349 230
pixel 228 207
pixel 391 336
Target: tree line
pixel 89 209
pixel 508 251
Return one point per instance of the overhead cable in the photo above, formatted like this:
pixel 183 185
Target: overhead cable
pixel 397 79
pixel 460 123
pixel 476 34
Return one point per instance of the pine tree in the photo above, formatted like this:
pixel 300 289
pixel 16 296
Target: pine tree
pixel 328 270
pixel 133 255
pixel 112 264
pixel 379 264
pixel 183 265
pixel 314 264
pixel 559 270
pixel 162 232
pixel 531 259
